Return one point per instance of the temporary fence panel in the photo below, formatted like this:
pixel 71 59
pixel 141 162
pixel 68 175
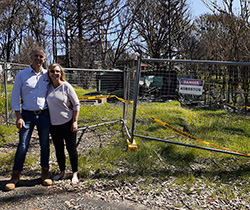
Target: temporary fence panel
pixel 102 97
pixel 129 96
pixel 110 96
pixel 100 93
pixel 223 83
pixel 8 74
pixel 204 84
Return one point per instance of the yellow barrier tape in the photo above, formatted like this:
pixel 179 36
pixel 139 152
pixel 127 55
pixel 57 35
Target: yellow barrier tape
pixel 3 98
pixel 182 133
pixel 124 101
pixel 104 96
pixel 242 107
pixel 97 97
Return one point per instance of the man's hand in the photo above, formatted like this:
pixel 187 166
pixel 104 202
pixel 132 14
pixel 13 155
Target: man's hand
pixel 19 120
pixel 20 123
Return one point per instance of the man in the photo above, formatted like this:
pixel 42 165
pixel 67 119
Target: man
pixel 29 92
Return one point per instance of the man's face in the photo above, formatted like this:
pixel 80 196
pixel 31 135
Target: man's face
pixel 38 58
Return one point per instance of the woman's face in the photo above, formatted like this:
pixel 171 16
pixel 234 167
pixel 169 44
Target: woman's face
pixel 55 74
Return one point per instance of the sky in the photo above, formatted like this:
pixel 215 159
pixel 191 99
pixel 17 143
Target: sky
pixel 198 8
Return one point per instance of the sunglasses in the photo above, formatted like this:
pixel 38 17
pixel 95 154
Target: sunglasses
pixel 54 71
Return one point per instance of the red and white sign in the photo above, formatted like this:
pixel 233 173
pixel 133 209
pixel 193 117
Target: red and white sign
pixel 191 86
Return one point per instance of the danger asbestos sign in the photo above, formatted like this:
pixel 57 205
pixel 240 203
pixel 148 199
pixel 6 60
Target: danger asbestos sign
pixel 191 86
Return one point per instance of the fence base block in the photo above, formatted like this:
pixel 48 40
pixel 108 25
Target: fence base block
pixel 132 145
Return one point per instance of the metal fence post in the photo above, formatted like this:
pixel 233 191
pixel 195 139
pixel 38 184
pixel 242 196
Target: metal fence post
pixel 5 91
pixel 137 79
pixel 125 87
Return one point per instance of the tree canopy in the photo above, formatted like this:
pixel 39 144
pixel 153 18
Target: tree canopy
pixel 99 33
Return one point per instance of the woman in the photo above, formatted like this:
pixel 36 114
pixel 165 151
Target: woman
pixel 64 109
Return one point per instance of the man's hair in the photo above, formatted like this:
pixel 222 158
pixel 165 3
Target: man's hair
pixel 37 49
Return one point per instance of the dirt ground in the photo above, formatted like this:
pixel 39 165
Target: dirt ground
pixel 31 195
pixel 107 193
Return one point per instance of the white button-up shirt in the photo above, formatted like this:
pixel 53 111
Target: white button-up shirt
pixel 30 90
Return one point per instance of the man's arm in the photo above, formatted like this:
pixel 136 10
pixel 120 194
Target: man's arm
pixel 16 93
pixel 15 101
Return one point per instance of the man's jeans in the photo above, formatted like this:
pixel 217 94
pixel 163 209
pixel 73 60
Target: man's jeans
pixel 42 122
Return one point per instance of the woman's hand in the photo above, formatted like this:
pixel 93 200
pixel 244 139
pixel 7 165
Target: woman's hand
pixel 74 126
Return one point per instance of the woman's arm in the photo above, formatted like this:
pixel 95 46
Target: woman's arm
pixel 74 126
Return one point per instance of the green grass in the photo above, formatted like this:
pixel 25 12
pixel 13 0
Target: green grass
pixel 190 165
pixel 7 134
pixel 2 104
pixel 90 114
pixel 187 167
pixel 218 127
pixel 6 160
pixel 80 92
pixel 2 97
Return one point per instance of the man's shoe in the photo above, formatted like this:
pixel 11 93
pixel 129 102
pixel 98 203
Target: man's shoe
pixel 15 178
pixel 46 181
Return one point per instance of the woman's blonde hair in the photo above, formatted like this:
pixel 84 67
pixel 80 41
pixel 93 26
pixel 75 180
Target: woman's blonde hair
pixel 52 66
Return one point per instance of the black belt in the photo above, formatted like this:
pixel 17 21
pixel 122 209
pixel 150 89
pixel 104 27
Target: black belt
pixel 36 112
